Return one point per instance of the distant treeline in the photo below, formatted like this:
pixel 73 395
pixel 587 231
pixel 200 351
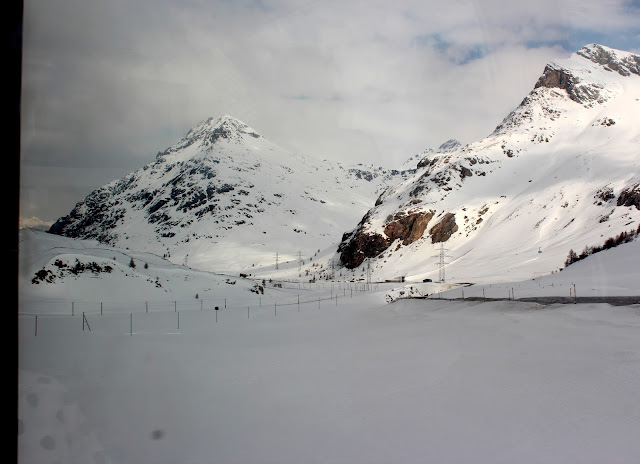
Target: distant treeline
pixel 622 237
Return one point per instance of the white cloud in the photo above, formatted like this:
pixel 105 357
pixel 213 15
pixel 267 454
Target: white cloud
pixel 107 84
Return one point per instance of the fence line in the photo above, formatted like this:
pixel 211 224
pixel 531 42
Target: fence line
pixel 75 307
pixel 100 313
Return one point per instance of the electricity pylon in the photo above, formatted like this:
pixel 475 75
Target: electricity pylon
pixel 441 262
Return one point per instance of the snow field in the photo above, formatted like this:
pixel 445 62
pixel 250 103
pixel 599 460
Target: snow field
pixel 413 381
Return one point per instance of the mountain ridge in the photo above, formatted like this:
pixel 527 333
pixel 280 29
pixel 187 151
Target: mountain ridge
pixel 572 138
pixel 224 197
pixel 560 169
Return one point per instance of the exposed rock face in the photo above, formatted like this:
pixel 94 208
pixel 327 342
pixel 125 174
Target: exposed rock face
pixel 604 195
pixel 427 162
pixel 465 172
pixel 630 196
pixel 362 246
pixel 444 229
pixel 625 65
pixel 554 76
pixel 557 77
pixel 407 227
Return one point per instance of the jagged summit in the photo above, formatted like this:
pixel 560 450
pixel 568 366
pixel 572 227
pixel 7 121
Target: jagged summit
pixel 624 63
pixel 590 77
pixel 226 126
pixel 207 133
pixel 587 75
pixel 449 145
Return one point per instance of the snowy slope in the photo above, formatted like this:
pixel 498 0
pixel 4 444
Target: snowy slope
pixel 225 198
pixel 56 271
pixel 561 172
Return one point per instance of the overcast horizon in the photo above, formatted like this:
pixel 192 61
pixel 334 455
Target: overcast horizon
pixel 106 85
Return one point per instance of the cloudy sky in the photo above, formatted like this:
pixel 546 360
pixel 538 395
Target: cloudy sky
pixel 109 83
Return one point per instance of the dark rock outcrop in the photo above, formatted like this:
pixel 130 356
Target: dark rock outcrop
pixel 408 227
pixel 361 244
pixel 585 93
pixel 608 58
pixel 465 172
pixel 444 229
pixel 630 196
pixel 427 162
pixel 555 77
pixel 603 196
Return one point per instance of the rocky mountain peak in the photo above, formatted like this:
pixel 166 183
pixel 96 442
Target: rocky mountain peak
pixel 589 77
pixel 226 127
pixel 583 83
pixel 223 183
pixel 449 146
pixel 624 63
pixel 212 130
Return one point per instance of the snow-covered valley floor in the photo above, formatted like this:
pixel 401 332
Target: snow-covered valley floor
pixel 358 382
pixel 153 374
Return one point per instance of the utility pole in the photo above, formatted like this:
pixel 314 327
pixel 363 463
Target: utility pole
pixel 276 260
pixel 368 273
pixel 299 263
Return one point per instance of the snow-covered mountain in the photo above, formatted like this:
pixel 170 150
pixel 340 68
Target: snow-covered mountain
pixel 224 198
pixel 561 172
pixel 33 223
